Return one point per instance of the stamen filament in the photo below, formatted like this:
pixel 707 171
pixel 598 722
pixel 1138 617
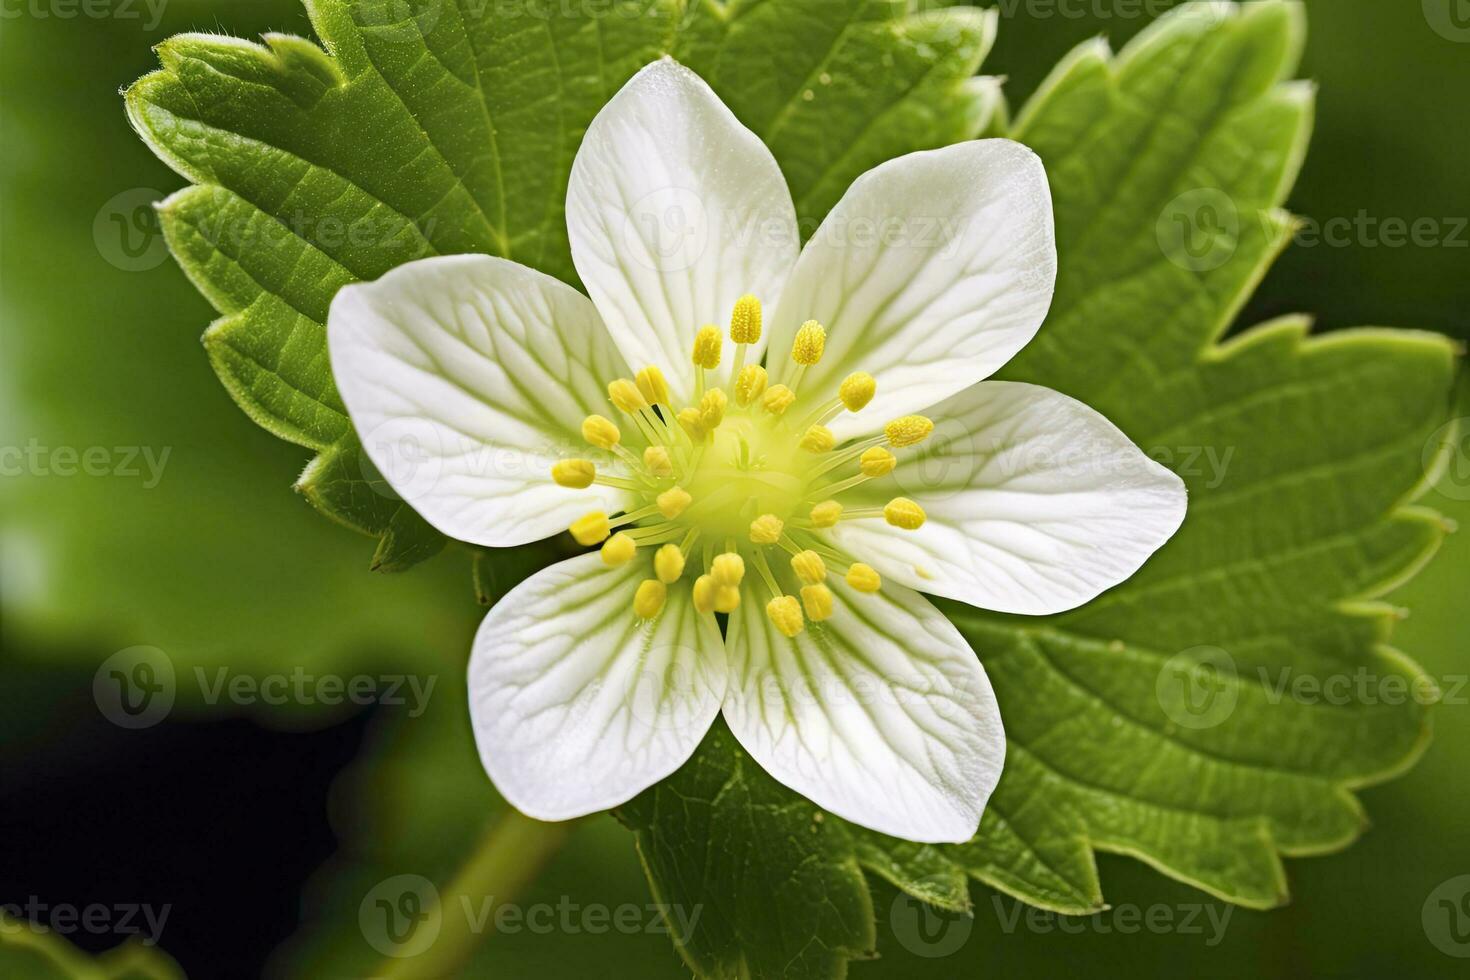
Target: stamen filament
pixel 764 569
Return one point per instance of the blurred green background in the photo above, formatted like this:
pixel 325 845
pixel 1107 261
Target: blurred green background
pixel 221 565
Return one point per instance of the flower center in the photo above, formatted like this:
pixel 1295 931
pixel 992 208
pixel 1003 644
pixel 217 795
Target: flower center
pixel 728 484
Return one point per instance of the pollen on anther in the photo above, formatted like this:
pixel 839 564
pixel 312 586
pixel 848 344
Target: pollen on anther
pixel 810 342
pixel 673 502
pixel 619 549
pixel 590 529
pixel 877 461
pixel 766 529
pixel 904 513
pixel 818 439
pixel 653 386
pixel 692 423
pixel 712 409
pixel 574 474
pixel 658 461
pixel 626 396
pixel 864 578
pixel 707 344
pixel 649 599
pixel 908 431
pixel 857 390
pixel 785 612
pixel 750 384
pixel 809 567
pixel 601 432
pixel 704 593
pixel 745 321
pixel 777 399
pixel 817 601
pixel 668 564
pixel 728 569
pixel 826 514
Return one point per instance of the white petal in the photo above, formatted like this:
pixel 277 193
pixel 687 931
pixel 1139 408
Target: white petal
pixel 467 377
pixel 881 714
pixel 675 210
pixel 1035 504
pixel 578 705
pixel 932 271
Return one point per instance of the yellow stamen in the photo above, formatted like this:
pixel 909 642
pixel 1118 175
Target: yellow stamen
pixel 777 399
pixel 785 612
pixel 750 384
pixel 810 342
pixel 903 512
pixel 652 386
pixel 692 423
pixel 601 432
pixel 626 396
pixel 817 601
pixel 876 462
pixel 668 563
pixel 826 514
pixel 656 458
pixel 673 502
pixel 857 390
pixel 707 344
pixel 766 529
pixel 649 598
pixel 704 593
pixel 728 569
pixel 818 439
pixel 745 321
pixel 590 529
pixel 864 578
pixel 908 431
pixel 619 549
pixel 809 567
pixel 712 409
pixel 727 599
pixel 575 474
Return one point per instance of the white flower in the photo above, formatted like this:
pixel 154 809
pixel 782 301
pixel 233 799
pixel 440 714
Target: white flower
pixel 783 477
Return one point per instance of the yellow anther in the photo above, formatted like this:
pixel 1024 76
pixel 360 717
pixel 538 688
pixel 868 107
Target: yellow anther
pixel 575 474
pixel 766 529
pixel 652 386
pixel 590 529
pixel 704 593
pixel 668 563
pixel 877 461
pixel 818 439
pixel 751 384
pixel 864 578
pixel 657 459
pixel 712 409
pixel 745 322
pixel 649 599
pixel 857 390
pixel 785 612
pixel 827 513
pixel 619 549
pixel 777 399
pixel 727 599
pixel 908 431
pixel 673 502
pixel 626 396
pixel 600 432
pixel 817 601
pixel 808 566
pixel 903 512
pixel 707 345
pixel 810 342
pixel 728 569
pixel 691 422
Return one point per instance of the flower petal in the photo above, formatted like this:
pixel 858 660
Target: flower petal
pixel 467 377
pixel 577 705
pixel 932 271
pixel 675 210
pixel 881 714
pixel 1035 504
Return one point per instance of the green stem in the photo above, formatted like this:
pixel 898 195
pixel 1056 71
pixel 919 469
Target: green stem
pixel 508 858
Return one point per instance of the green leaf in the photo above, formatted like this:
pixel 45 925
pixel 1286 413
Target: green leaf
pixel 26 953
pixel 439 128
